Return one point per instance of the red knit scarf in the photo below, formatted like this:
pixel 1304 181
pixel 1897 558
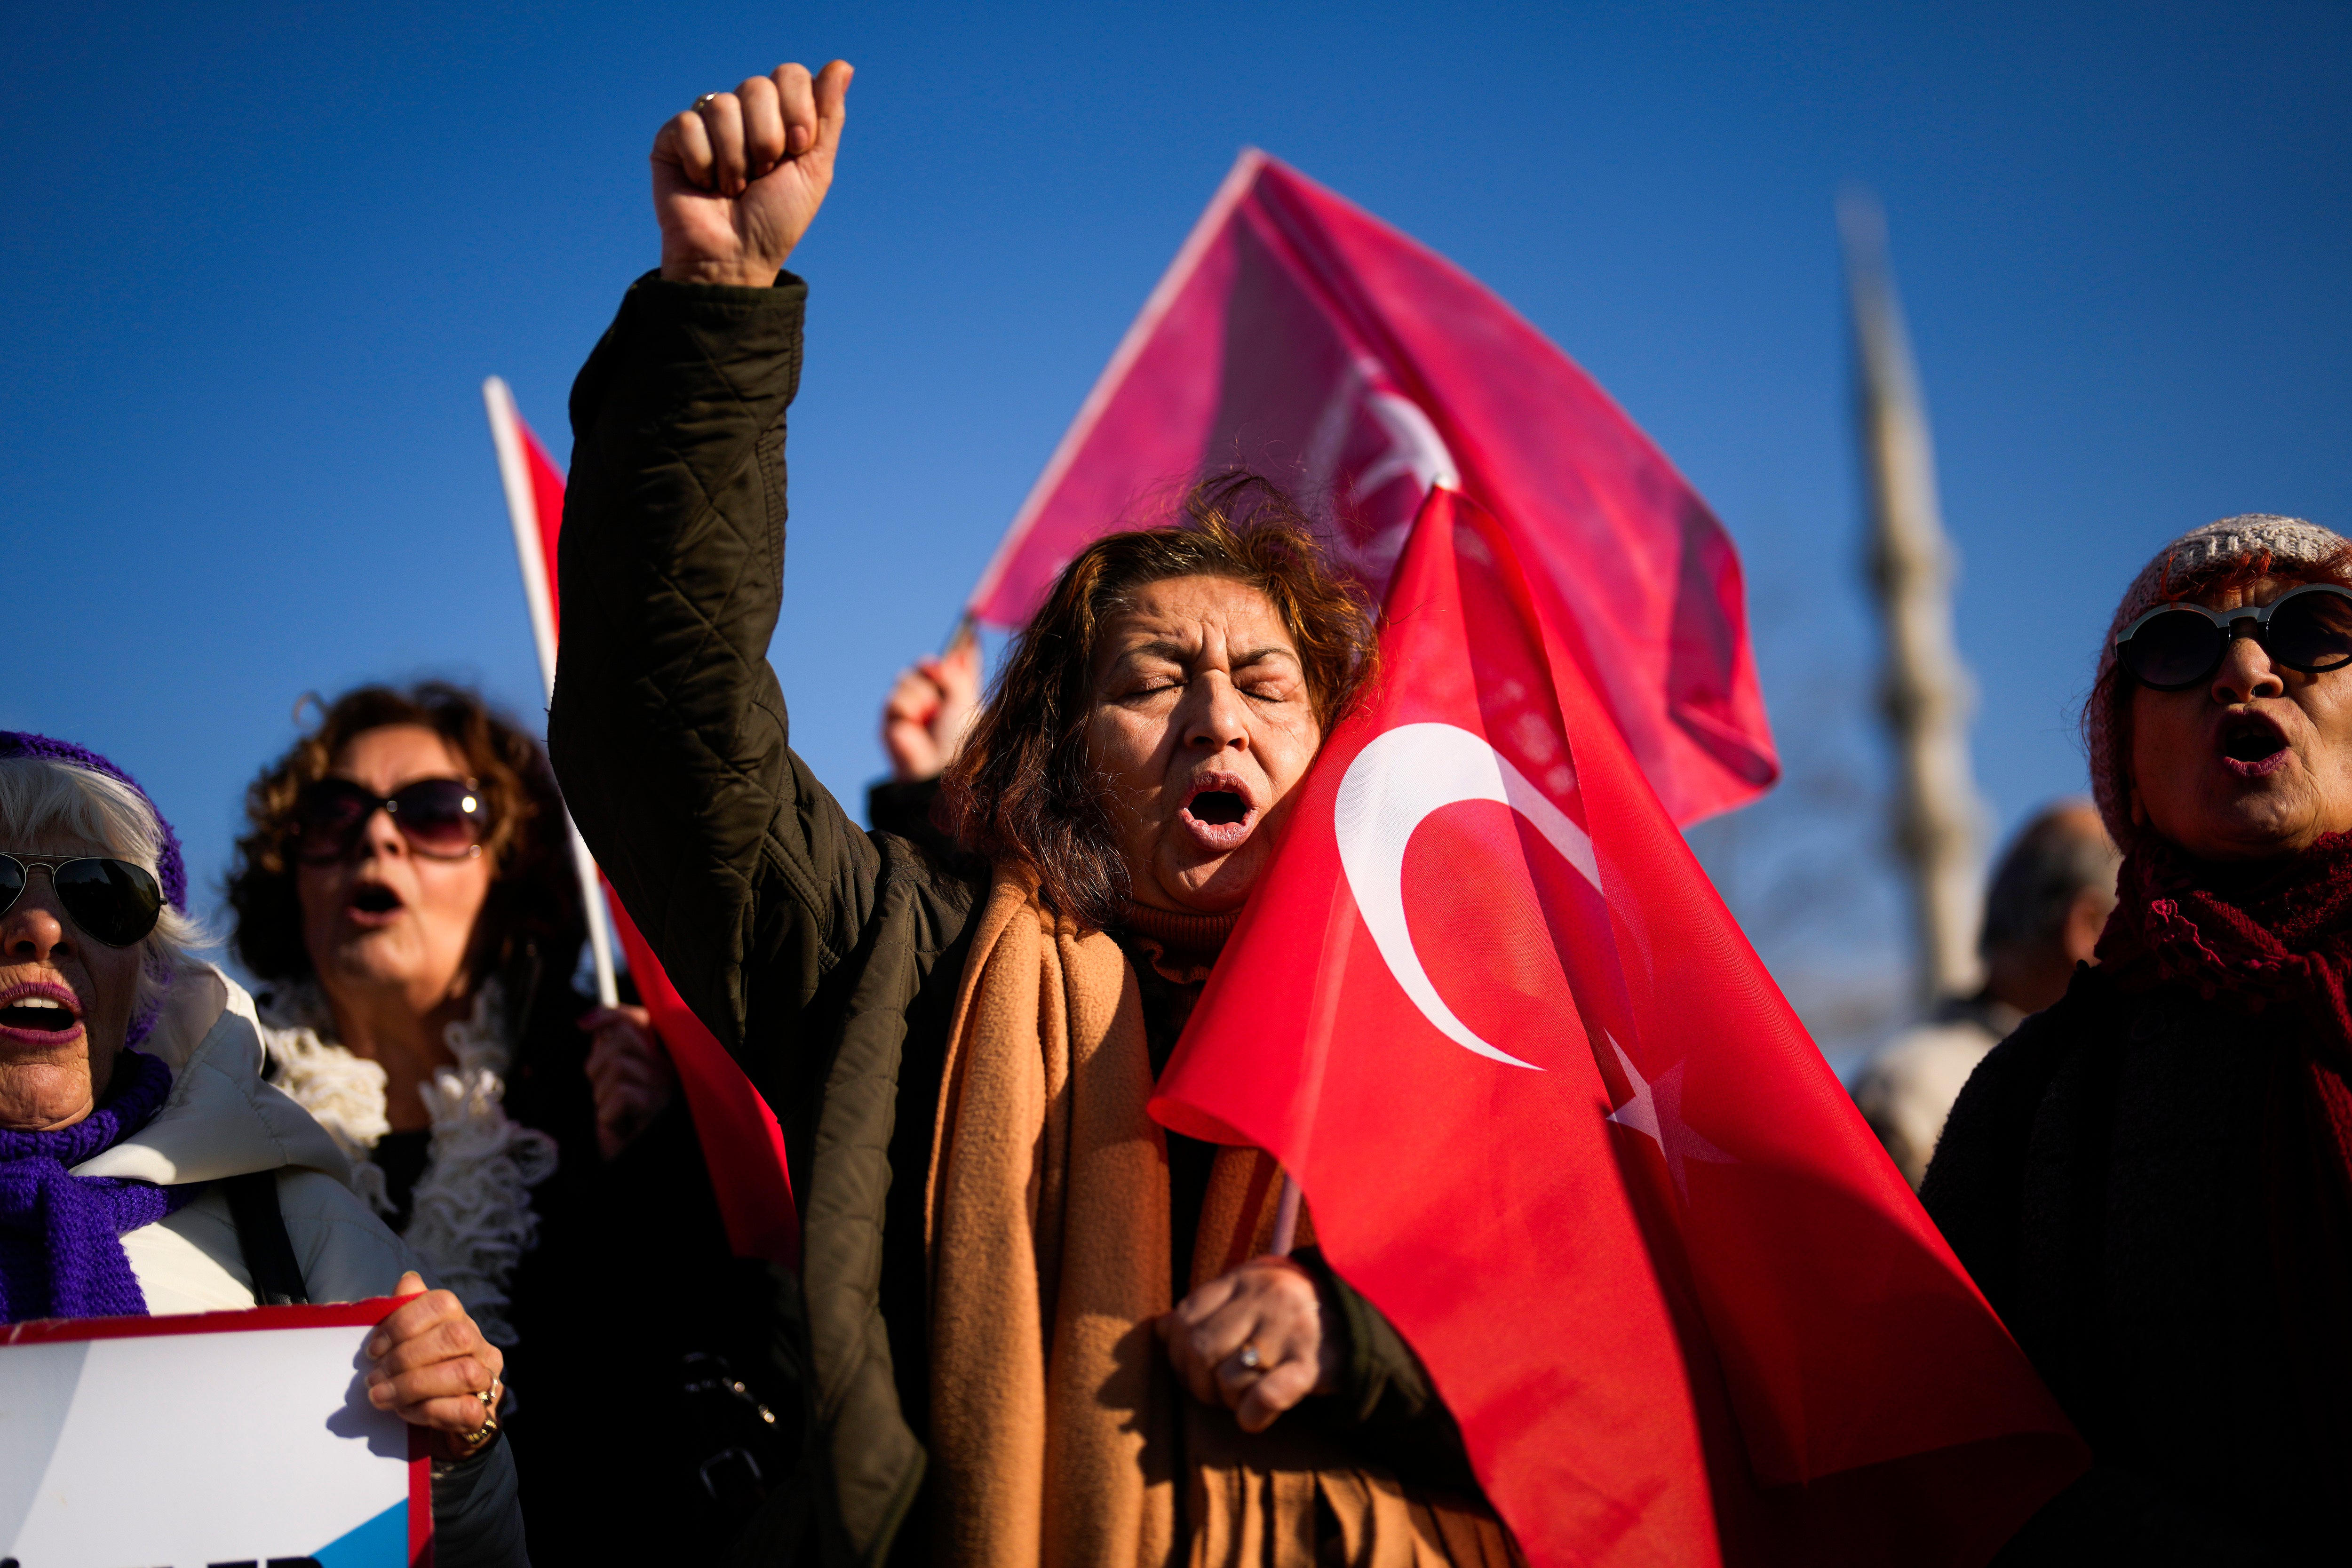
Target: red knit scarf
pixel 2275 939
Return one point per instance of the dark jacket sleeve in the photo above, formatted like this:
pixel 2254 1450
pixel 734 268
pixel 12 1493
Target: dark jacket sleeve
pixel 908 809
pixel 1975 1185
pixel 668 730
pixel 1386 1408
pixel 477 1517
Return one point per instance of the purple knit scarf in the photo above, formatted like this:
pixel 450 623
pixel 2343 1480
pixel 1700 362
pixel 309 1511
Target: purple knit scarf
pixel 61 1235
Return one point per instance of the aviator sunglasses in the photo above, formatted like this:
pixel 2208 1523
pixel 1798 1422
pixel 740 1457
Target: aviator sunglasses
pixel 2174 646
pixel 443 819
pixel 113 901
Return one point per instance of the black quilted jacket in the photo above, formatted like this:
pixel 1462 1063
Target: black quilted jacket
pixel 826 958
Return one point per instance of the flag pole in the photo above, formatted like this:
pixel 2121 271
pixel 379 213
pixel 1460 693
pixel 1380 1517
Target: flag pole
pixel 1285 1217
pixel 523 511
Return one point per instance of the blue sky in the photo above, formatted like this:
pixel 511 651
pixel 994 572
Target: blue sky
pixel 258 261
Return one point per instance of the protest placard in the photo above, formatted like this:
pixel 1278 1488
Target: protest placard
pixel 217 1437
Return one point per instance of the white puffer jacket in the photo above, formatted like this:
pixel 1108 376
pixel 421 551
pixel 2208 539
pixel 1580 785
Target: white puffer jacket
pixel 221 1119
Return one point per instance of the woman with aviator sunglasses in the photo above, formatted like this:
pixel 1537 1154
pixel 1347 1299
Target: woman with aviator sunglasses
pixel 2152 1180
pixel 406 887
pixel 125 1066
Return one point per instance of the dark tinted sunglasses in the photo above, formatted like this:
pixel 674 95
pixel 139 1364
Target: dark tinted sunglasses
pixel 2176 646
pixel 113 901
pixel 443 819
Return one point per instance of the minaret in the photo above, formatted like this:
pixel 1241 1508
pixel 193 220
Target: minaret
pixel 1939 818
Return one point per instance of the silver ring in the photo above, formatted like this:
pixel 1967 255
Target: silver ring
pixel 1249 1358
pixel 705 101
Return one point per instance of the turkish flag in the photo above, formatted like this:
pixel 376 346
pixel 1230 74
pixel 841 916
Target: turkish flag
pixel 742 1146
pixel 1299 336
pixel 1554 1119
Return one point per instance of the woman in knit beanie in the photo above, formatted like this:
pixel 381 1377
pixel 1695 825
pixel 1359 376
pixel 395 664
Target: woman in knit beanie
pixel 2152 1180
pixel 144 1166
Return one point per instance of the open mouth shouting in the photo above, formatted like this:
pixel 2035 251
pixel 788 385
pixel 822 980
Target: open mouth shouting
pixel 2251 744
pixel 41 1013
pixel 372 904
pixel 1218 811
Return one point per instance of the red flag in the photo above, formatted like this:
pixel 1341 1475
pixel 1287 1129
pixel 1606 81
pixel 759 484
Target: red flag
pixel 1299 336
pixel 547 508
pixel 742 1147
pixel 1555 1121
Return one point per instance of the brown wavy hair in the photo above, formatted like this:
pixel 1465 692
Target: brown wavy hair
pixel 1023 788
pixel 534 898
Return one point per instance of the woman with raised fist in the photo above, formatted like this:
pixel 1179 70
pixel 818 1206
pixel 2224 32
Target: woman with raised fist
pixel 1030 1326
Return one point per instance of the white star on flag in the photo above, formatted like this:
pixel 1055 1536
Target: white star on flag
pixel 1656 1111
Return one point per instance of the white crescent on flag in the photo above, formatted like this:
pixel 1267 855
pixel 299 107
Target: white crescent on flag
pixel 1392 787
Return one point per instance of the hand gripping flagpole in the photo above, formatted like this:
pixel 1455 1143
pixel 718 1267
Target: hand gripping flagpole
pixel 523 510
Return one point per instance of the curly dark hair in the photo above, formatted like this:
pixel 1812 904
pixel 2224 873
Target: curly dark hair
pixel 534 898
pixel 1023 788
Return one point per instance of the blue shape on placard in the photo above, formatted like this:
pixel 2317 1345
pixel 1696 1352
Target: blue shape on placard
pixel 381 1543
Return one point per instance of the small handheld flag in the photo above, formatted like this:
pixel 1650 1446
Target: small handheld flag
pixel 741 1144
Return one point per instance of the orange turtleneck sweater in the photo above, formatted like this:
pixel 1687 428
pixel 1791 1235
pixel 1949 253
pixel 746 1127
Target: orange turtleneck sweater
pixel 1171 954
pixel 1185 942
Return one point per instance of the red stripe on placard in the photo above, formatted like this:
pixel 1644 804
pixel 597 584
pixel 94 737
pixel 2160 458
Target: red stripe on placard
pixel 250 1320
pixel 420 1500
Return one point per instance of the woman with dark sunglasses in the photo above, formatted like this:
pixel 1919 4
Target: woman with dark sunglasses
pixel 407 890
pixel 2152 1180
pixel 125 1065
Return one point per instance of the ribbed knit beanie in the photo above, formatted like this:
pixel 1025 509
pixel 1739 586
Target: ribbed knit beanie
pixel 170 873
pixel 2289 541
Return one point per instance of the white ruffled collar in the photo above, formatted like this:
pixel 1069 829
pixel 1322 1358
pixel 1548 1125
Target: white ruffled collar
pixel 471 1217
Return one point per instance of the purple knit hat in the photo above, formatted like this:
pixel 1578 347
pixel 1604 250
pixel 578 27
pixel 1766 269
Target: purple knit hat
pixel 170 871
pixel 2289 541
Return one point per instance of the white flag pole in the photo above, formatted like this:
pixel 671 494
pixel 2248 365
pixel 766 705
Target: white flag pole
pixel 523 510
pixel 1285 1217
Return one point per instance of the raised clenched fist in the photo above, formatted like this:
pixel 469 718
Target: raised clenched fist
pixel 737 177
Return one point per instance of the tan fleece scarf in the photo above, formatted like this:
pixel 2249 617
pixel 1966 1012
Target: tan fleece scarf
pixel 1055 1424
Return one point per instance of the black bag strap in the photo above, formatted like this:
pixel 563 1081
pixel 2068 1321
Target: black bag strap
pixel 261 1236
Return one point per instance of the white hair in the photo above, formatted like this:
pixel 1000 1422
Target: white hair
pixel 48 803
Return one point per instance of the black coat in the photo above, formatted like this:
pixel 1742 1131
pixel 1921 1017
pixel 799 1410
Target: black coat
pixel 2133 1183
pixel 631 1275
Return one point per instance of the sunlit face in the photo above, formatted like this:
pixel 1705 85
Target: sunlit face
pixel 2255 762
pixel 384 918
pixel 1201 723
pixel 65 1001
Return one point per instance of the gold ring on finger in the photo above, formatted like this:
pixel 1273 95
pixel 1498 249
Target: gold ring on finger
pixel 706 100
pixel 1249 1358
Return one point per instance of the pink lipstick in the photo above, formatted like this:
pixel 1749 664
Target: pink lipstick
pixel 39 1013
